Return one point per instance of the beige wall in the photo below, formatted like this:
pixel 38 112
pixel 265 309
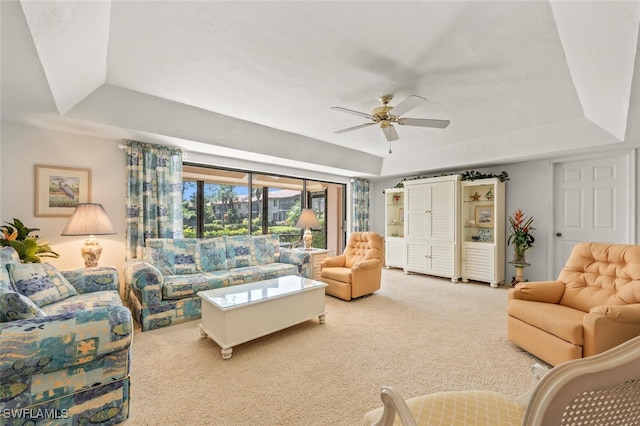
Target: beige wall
pixel 23 147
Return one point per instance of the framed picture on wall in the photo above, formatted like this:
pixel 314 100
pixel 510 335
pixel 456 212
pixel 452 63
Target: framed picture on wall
pixel 59 190
pixel 484 216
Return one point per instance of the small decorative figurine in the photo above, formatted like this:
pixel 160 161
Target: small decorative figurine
pixel 489 194
pixel 475 197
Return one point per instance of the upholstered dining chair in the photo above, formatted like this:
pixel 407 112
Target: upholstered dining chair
pixel 602 389
pixel 356 272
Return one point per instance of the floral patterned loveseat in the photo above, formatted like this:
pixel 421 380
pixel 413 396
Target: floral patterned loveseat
pixel 65 345
pixel 163 286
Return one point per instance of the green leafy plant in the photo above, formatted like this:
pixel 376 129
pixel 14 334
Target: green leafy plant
pixel 25 242
pixel 466 175
pixel 475 175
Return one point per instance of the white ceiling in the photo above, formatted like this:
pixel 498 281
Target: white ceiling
pixel 255 80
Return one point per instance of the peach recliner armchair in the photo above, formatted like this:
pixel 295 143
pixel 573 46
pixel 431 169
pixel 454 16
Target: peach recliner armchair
pixel 356 272
pixel 593 306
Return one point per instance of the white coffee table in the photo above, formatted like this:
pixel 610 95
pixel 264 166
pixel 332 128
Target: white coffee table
pixel 237 314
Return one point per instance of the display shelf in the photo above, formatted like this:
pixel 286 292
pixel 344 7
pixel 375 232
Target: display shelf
pixel 394 227
pixel 482 217
pixel 394 215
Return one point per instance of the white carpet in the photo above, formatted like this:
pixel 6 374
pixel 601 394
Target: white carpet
pixel 417 334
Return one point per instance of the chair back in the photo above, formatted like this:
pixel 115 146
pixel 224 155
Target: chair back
pixel 597 390
pixel 362 246
pixel 601 274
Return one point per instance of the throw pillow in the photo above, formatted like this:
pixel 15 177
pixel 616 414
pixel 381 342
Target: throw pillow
pixel 266 247
pixel 7 255
pixel 172 256
pixel 14 306
pixel 211 255
pixel 40 282
pixel 240 251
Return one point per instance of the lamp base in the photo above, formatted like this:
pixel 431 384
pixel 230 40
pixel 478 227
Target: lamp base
pixel 91 252
pixel 308 239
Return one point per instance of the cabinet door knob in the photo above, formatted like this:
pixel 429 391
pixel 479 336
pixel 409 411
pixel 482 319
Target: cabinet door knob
pixel 558 234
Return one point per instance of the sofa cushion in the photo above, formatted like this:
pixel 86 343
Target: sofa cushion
pixel 14 306
pixel 211 255
pixel 265 272
pixel 172 256
pixel 252 273
pixel 561 321
pixel 179 286
pixel 85 301
pixel 40 282
pixel 267 248
pixel 240 251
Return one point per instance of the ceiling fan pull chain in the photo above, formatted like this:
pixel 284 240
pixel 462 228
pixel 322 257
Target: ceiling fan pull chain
pixel 389 147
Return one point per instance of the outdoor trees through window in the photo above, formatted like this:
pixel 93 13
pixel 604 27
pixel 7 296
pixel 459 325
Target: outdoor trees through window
pixel 227 202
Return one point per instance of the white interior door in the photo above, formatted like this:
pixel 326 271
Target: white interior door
pixel 592 202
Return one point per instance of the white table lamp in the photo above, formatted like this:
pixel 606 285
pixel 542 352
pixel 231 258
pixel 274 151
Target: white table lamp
pixel 89 219
pixel 307 220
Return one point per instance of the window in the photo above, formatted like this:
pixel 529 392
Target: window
pixel 231 202
pixel 214 205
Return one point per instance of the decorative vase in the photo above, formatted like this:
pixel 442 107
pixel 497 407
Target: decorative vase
pixel 519 262
pixel 519 255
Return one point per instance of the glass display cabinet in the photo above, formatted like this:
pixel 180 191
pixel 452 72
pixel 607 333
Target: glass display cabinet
pixel 483 231
pixel 394 228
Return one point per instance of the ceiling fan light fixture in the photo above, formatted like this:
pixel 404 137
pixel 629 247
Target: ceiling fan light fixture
pixel 381 111
pixel 382 115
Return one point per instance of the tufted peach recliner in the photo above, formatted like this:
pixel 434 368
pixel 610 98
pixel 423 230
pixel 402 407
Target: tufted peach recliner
pixel 356 272
pixel 593 306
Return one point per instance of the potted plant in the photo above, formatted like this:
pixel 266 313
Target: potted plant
pixel 520 235
pixel 22 239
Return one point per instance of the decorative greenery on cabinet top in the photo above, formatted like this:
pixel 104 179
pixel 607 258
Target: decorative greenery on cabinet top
pixel 466 175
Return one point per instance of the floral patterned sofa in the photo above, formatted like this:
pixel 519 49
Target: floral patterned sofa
pixel 163 286
pixel 65 345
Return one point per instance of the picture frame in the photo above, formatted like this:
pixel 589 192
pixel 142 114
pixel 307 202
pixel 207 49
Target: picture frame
pixel 484 216
pixel 59 190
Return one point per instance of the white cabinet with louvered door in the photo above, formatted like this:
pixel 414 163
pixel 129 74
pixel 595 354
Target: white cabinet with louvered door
pixel 432 226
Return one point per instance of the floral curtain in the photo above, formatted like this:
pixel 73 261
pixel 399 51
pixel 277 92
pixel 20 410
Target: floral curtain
pixel 154 195
pixel 360 192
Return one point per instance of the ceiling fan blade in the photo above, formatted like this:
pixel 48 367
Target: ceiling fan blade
pixel 361 126
pixel 390 133
pixel 407 105
pixel 424 122
pixel 350 111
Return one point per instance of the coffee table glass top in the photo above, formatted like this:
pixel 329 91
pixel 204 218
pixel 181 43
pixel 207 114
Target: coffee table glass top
pixel 237 295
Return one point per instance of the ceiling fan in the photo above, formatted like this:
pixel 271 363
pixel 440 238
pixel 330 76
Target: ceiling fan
pixel 386 115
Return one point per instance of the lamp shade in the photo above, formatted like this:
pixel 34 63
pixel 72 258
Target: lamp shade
pixel 307 219
pixel 89 219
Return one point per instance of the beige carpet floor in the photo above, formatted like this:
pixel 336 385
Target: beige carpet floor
pixel 417 334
